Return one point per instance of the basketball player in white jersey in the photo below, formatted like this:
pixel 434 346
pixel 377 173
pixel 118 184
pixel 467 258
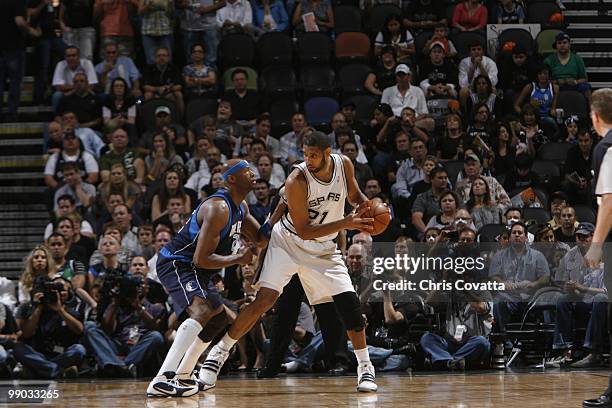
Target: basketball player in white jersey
pixel 302 243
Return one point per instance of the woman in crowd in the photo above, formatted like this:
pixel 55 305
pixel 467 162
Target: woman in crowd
pixel 546 242
pixel 482 92
pixel 120 107
pixel 383 75
pixel 323 15
pixel 450 146
pixel 528 130
pixel 469 15
pixel 200 79
pixel 479 205
pixel 395 35
pixel 422 186
pixel 569 132
pixel 504 151
pixel 269 16
pixel 542 94
pixel 118 183
pixel 478 134
pixel 216 182
pixel 162 157
pixel 172 186
pixel 39 263
pixel 449 204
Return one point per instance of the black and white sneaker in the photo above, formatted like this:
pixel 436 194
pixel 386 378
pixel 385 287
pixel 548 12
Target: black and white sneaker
pixel 167 385
pixel 211 366
pixel 366 378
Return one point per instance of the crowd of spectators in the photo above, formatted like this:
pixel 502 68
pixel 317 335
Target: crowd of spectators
pixel 451 147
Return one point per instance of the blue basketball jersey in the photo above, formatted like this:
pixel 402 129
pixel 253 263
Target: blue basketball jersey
pixel 182 246
pixel 543 97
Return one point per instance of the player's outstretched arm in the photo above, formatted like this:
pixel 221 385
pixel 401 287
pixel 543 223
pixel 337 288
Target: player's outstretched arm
pixel 297 199
pixel 214 215
pixel 251 229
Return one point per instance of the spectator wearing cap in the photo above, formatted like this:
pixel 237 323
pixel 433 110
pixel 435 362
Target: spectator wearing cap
pixel 395 35
pixel 542 93
pixel 383 75
pixel 439 76
pixel 90 141
pixel 472 168
pixel 567 230
pixel 567 68
pixel 64 73
pixel 174 132
pixel 473 65
pixel 577 167
pixel 163 80
pixel 585 299
pixel 441 34
pixel 510 12
pixel 405 95
pixel 469 15
pixel 521 177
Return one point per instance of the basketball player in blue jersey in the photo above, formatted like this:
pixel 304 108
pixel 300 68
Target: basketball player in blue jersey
pixel 207 243
pixel 302 243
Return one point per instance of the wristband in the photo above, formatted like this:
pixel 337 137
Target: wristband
pixel 266 230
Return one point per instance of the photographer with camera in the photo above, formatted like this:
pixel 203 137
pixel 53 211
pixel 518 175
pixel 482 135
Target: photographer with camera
pixel 129 327
pixel 51 325
pixel 9 333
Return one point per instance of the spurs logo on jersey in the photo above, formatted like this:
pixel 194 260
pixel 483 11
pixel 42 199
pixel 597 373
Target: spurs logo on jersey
pixel 325 200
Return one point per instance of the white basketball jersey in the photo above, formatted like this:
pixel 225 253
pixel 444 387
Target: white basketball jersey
pixel 325 201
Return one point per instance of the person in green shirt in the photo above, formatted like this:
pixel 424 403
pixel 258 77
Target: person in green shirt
pixel 567 68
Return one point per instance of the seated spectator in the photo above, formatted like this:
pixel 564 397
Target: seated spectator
pixel 569 131
pixel 409 173
pixel 472 66
pixel 50 323
pixel 430 163
pixel 235 17
pixel 53 138
pixel 450 145
pixel 577 169
pixel 82 192
pixel 378 127
pixel 71 152
pixel 90 140
pixel 372 188
pixel 288 141
pixel 363 172
pixel 479 205
pixel 269 170
pixel 438 74
pixel 567 230
pixel 510 12
pixel 428 204
pixel 424 15
pixel 164 123
pixel 120 153
pixel 122 216
pixel 269 16
pixel 65 71
pixel 162 79
pixel 174 216
pixel 156 26
pixel 542 94
pixel 482 92
pixel 503 150
pixel 529 131
pixel 124 255
pixel 472 168
pixel 394 35
pixel 66 206
pixel 440 35
pixel 115 66
pixel 383 74
pixel 521 279
pixel 200 79
pixel 516 72
pixel 116 23
pixel 323 16
pixel 118 184
pixel 9 335
pixel 129 327
pixel 478 134
pixel 119 110
pixel 201 164
pixel 558 201
pixel 341 134
pixel 67 257
pixel 261 208
pixel 521 177
pixel 217 131
pixel 162 237
pixel 108 249
pixel 246 104
pixel 145 240
pixel 198 25
pixel 585 299
pixel 172 186
pixel 470 15
pixel 162 157
pixel 88 243
pixel 77 24
pixel 38 263
pixel 513 215
pixel 544 240
pixel 567 68
pixel 446 216
pixel 263 127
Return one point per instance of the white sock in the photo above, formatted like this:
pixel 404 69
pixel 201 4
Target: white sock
pixel 185 335
pixel 226 343
pixel 362 355
pixel 190 360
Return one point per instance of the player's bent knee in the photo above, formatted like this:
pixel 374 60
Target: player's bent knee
pixel 201 311
pixel 348 305
pixel 214 326
pixel 265 299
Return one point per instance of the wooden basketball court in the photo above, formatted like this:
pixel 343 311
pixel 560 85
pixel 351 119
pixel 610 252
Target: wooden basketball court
pixel 492 389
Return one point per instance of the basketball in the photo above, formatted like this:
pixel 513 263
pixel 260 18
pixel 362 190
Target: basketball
pixel 381 214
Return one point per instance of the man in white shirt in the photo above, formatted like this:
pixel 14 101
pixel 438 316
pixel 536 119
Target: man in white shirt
pixel 65 71
pixel 404 95
pixel 470 67
pixel 236 16
pixel 288 141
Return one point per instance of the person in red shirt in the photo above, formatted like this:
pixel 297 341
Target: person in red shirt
pixel 470 16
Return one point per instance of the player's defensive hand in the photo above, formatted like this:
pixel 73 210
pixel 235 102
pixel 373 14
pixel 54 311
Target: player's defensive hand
pixel 593 255
pixel 356 220
pixel 245 255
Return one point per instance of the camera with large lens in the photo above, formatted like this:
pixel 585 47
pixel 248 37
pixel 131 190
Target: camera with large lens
pixel 48 288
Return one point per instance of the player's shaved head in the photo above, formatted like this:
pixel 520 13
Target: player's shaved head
pixel 238 172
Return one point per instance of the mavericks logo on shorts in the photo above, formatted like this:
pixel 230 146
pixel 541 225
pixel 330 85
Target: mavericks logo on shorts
pixel 191 286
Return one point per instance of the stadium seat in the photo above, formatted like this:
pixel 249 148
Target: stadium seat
pixel 278 81
pixel 365 107
pixel 539 12
pixel 274 48
pixel 419 43
pixel 351 79
pixel 319 110
pixel 146 113
pixel 318 80
pixel 539 215
pixel 518 36
pixel 197 108
pixel 347 18
pixel 584 213
pixel 453 168
pixel 490 232
pixel 281 110
pixel 315 48
pixel 464 39
pixel 554 151
pixel 378 14
pixel 228 85
pixel 236 50
pixel 545 40
pixel 546 168
pixel 352 46
pixel 573 103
